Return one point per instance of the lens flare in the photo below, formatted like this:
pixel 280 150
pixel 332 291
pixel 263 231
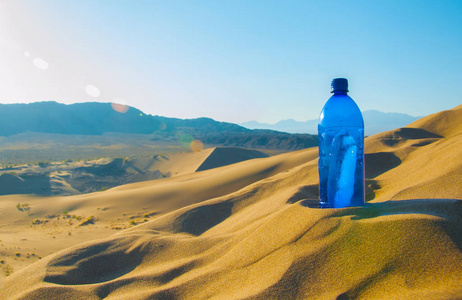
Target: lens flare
pixel 92 91
pixel 196 146
pixel 40 63
pixel 185 140
pixel 121 108
pixel 162 125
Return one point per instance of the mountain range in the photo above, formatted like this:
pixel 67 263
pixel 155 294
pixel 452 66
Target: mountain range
pixel 94 118
pixel 374 122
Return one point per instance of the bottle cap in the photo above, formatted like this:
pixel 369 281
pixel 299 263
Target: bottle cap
pixel 339 84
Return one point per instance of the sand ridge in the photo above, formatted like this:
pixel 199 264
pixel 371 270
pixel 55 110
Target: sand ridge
pixel 251 231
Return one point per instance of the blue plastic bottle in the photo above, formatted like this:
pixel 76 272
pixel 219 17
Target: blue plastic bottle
pixel 341 150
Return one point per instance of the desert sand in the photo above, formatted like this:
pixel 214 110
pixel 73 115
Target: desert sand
pixel 252 230
pixel 65 178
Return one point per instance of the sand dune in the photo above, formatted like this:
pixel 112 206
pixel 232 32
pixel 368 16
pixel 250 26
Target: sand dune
pixel 430 154
pixel 446 123
pixel 251 230
pixel 73 178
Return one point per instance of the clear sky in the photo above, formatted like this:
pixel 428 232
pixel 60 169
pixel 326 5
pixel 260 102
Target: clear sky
pixel 233 60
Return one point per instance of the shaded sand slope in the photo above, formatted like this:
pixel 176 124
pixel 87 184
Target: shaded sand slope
pixel 226 156
pixel 250 231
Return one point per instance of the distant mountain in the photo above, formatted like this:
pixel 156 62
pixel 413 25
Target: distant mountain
pixel 94 119
pixel 375 122
pixel 290 126
pixel 98 118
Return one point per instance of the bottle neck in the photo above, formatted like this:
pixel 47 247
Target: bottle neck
pixel 339 92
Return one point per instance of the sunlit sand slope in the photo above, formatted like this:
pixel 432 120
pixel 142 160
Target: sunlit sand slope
pixel 422 160
pixel 251 231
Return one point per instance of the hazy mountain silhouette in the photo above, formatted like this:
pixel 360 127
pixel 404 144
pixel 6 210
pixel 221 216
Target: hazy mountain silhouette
pixel 93 119
pixel 97 118
pixel 374 121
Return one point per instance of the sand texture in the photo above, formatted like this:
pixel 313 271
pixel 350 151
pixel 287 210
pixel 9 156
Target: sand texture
pixel 251 230
pixel 65 178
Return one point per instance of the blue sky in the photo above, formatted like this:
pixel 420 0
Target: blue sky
pixel 233 60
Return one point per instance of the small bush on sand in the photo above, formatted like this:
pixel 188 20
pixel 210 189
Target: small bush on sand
pixel 36 222
pixel 23 207
pixel 87 221
pixel 8 270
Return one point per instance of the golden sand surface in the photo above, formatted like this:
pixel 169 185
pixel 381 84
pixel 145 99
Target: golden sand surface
pixel 251 230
